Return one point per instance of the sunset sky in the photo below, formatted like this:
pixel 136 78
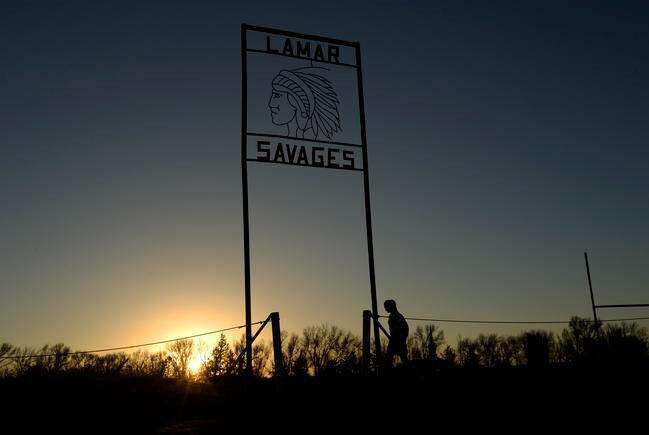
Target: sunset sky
pixel 504 141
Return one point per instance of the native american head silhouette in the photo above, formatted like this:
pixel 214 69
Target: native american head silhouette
pixel 306 102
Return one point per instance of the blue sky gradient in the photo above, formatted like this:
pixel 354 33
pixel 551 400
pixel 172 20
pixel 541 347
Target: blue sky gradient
pixel 504 140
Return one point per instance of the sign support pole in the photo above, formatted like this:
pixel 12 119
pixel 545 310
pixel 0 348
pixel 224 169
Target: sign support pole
pixel 368 207
pixel 244 184
pixel 590 287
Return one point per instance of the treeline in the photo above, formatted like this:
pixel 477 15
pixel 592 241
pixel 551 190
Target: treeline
pixel 330 351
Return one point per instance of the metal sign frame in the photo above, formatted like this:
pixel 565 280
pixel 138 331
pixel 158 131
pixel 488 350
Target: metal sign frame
pixel 245 28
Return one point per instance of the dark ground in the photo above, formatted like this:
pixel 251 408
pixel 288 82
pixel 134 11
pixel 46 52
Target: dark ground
pixel 516 400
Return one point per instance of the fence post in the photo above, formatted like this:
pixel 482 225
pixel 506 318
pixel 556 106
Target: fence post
pixel 365 363
pixel 277 343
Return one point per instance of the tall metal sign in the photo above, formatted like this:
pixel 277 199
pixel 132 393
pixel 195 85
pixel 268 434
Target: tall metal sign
pixel 302 104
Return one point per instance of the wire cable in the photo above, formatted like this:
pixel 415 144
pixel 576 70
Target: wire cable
pixel 623 319
pixel 524 322
pixel 109 349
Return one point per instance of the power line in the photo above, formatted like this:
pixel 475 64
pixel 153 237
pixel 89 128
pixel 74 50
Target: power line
pixel 624 319
pixel 525 322
pixel 109 349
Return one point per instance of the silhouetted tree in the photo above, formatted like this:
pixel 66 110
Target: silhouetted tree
pixel 111 364
pixel 237 363
pixel 328 349
pixel 82 362
pixel 510 351
pixel 293 357
pixel 260 356
pixel 46 360
pixel 374 362
pixel 467 353
pixel 538 348
pixel 579 344
pixel 449 356
pixel 143 363
pixel 487 350
pixel 22 360
pixel 6 350
pixel 624 344
pixel 424 342
pixel 180 353
pixel 219 363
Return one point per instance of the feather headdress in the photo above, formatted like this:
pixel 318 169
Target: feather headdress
pixel 315 96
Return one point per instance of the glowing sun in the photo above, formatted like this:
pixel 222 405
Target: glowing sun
pixel 195 365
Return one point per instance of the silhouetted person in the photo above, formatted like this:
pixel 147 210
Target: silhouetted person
pixel 398 333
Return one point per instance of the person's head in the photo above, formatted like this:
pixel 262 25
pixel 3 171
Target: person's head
pixel 307 97
pixel 390 306
pixel 291 99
